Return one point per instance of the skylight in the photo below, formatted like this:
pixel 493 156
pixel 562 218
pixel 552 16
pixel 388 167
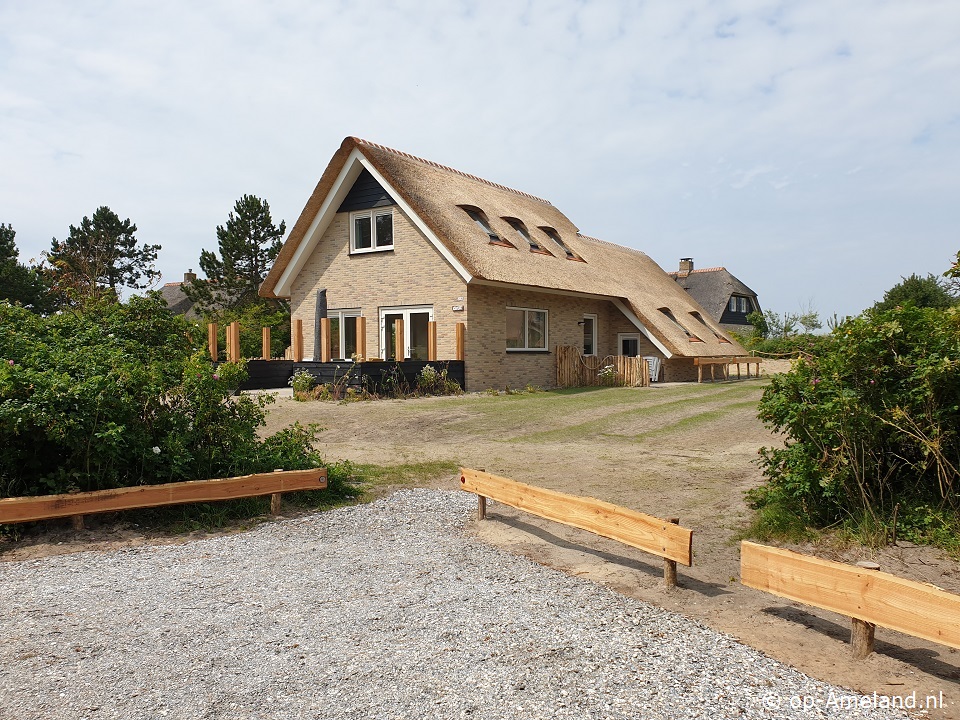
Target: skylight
pixel 690 336
pixel 480 219
pixel 717 335
pixel 555 236
pixel 523 233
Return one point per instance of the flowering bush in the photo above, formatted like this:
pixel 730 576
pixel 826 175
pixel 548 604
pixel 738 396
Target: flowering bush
pixel 119 395
pixel 607 375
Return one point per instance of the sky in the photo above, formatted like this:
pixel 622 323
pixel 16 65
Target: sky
pixel 812 148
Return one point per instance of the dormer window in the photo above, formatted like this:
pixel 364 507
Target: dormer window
pixel 481 221
pixel 697 316
pixel 525 236
pixel 555 236
pixel 669 315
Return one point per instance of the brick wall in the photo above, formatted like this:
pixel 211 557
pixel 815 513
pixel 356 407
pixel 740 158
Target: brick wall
pixel 413 273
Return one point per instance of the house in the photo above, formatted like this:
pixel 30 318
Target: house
pixel 177 301
pixel 721 294
pixel 389 236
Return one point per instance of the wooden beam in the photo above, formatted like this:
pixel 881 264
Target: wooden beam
pixel 45 507
pixel 648 533
pixel 362 338
pixel 872 596
pixel 265 344
pixel 400 346
pixel 461 341
pixel 325 340
pixel 432 340
pixel 297 340
pixel 213 344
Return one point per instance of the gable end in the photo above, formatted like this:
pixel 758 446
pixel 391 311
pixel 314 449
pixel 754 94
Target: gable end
pixel 366 193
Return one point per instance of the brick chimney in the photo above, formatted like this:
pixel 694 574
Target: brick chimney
pixel 686 267
pixel 189 276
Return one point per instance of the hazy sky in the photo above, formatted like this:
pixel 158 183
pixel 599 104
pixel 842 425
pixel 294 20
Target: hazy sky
pixel 812 147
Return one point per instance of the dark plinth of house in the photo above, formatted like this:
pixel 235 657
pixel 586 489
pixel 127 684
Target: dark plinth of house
pixel 374 376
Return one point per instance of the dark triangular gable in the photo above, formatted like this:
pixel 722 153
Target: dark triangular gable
pixel 366 193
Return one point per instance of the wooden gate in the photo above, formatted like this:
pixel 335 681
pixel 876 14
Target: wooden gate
pixel 574 369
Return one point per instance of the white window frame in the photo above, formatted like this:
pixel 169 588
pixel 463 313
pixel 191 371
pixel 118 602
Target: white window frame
pixel 340 315
pixel 404 310
pixel 592 316
pixel 373 214
pixel 733 303
pixel 526 325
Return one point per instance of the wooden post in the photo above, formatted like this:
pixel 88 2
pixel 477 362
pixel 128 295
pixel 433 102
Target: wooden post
pixel 297 340
pixel 432 340
pixel 461 340
pixel 861 632
pixel 399 345
pixel 699 373
pixel 670 566
pixel 324 340
pixel 275 503
pixel 77 522
pixel 212 343
pixel 362 338
pixel 235 340
pixel 481 507
pixel 265 349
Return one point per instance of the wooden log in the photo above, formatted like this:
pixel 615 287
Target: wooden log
pixel 362 338
pixel 481 507
pixel 77 522
pixel 46 507
pixel 213 345
pixel 275 500
pixel 670 566
pixel 399 346
pixel 461 341
pixel 630 527
pixel 862 632
pixel 325 340
pixel 432 340
pixel 872 596
pixel 297 340
pixel 265 344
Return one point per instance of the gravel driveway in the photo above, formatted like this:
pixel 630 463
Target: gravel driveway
pixel 386 610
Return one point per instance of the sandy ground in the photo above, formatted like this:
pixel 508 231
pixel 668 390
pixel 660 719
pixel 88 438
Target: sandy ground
pixel 672 450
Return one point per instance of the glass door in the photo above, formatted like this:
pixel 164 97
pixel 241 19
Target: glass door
pixel 415 333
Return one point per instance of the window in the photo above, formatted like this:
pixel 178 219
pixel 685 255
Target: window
pixel 371 231
pixel 629 344
pixel 555 236
pixel 733 304
pixel 343 333
pixel 739 303
pixel 690 336
pixel 699 318
pixel 481 220
pixel 526 329
pixel 525 236
pixel 589 334
pixel 744 305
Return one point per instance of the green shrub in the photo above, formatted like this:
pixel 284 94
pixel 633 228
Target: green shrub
pixel 871 423
pixel 119 395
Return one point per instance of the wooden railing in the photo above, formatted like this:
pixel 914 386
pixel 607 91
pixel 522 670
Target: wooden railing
pixel 654 535
pixel 865 594
pixel 574 369
pixel 46 507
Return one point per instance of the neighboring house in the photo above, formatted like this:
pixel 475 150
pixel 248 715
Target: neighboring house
pixel 392 236
pixel 721 294
pixel 177 301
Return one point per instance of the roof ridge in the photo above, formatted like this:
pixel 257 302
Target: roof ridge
pixel 612 244
pixel 698 270
pixel 447 168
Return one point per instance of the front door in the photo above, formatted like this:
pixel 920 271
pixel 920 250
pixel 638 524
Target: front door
pixel 415 319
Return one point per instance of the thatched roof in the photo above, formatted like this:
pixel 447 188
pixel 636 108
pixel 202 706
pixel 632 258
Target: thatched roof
pixel 435 195
pixel 712 288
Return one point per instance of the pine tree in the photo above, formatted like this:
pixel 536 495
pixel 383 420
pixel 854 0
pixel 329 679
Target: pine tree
pixel 19 283
pixel 99 257
pixel 248 244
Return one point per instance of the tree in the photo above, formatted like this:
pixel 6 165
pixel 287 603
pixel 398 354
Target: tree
pixel 248 243
pixel 99 257
pixel 19 284
pixel 928 292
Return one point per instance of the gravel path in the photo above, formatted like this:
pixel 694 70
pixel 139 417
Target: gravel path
pixel 386 610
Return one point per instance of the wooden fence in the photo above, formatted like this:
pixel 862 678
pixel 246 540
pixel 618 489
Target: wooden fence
pixel 865 594
pixel 664 538
pixel 46 507
pixel 574 369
